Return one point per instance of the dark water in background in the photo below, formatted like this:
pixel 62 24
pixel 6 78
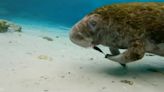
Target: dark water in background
pixel 63 12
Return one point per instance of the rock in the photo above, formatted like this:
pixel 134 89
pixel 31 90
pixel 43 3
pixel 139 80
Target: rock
pixel 48 38
pixel 6 26
pixel 15 28
pixel 3 26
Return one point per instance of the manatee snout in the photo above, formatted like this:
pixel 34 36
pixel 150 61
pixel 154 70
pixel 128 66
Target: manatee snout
pixel 83 32
pixel 78 37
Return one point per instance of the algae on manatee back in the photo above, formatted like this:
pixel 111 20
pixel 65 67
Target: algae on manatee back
pixel 144 16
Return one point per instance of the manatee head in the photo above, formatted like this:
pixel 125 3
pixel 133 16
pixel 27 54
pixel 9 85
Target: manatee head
pixel 83 32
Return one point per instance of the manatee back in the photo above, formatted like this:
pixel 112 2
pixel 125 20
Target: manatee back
pixel 146 18
pixel 149 16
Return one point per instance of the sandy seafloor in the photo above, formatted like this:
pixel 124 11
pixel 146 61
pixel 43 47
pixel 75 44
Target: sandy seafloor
pixel 29 63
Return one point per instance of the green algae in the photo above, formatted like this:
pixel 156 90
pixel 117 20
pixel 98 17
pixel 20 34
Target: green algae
pixel 5 26
pixel 136 15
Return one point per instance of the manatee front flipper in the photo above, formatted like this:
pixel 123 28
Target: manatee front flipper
pixel 135 52
pixel 108 55
pixel 114 52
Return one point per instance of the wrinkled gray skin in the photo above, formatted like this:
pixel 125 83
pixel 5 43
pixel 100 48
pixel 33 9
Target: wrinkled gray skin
pixel 92 31
pixel 83 32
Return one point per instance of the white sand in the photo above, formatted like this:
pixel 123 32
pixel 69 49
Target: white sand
pixel 29 63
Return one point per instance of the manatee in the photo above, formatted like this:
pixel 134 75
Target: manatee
pixel 136 27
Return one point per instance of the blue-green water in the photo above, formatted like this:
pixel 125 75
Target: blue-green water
pixel 63 12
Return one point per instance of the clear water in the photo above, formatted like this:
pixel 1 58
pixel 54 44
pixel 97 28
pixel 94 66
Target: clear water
pixel 63 12
pixel 30 63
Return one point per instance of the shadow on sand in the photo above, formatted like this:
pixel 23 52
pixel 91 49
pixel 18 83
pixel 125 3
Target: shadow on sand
pixel 132 70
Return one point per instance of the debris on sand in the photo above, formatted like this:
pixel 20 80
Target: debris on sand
pixel 45 90
pixel 127 82
pixel 57 36
pixel 91 58
pixel 63 76
pixel 80 67
pixel 10 41
pixel 43 77
pixel 45 57
pixel 69 73
pixel 47 38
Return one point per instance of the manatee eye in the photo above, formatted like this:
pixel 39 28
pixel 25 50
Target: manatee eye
pixel 93 23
